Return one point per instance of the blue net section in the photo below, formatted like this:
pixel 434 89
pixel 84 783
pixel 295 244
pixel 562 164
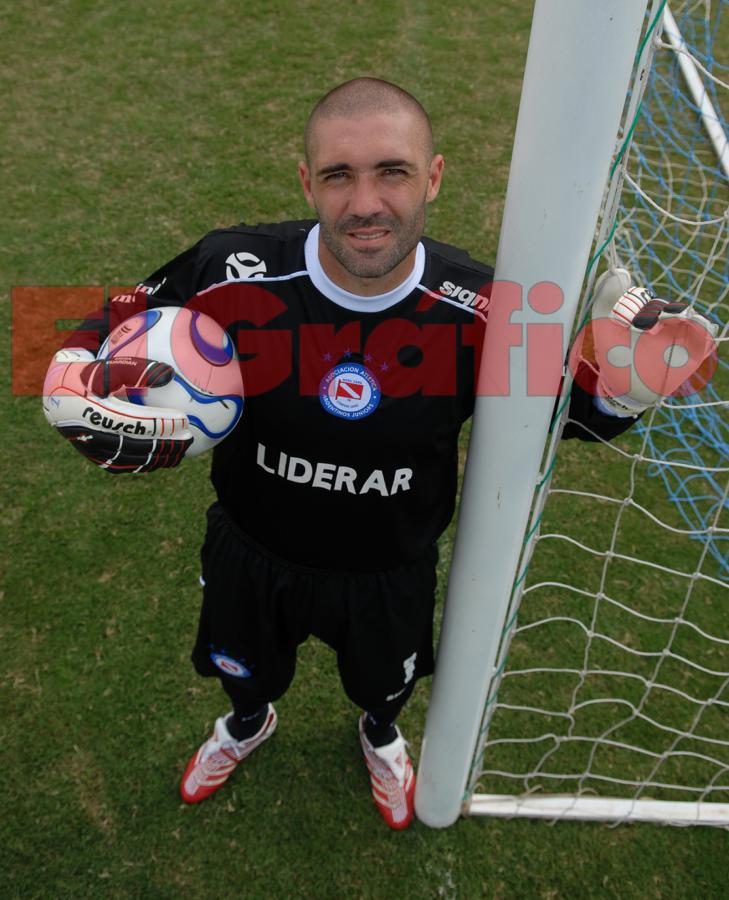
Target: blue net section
pixel 673 234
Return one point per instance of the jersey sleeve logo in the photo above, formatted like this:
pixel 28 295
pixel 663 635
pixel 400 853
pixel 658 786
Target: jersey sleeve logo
pixel 244 265
pixel 464 295
pixel 349 391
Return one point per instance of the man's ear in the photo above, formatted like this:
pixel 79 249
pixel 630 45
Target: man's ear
pixel 305 179
pixel 435 175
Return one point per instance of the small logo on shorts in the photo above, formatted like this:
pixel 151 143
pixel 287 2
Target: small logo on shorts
pixel 230 666
pixel 349 391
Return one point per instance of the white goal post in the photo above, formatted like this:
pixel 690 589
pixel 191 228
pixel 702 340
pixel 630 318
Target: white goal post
pixel 580 59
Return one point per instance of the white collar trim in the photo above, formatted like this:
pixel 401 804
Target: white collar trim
pixel 356 302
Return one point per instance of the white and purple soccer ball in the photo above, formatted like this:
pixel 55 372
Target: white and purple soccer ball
pixel 207 386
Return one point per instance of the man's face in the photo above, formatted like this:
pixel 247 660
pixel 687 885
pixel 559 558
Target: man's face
pixel 369 179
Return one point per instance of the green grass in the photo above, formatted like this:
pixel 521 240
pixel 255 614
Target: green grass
pixel 127 135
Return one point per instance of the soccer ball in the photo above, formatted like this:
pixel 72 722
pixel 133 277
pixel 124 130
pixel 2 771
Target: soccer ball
pixel 207 386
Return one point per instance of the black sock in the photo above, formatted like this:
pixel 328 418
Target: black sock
pixel 379 724
pixel 244 727
pixel 379 732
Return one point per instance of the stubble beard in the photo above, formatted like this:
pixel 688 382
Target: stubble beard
pixel 404 238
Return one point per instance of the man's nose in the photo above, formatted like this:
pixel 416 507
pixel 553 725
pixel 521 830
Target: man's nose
pixel 365 199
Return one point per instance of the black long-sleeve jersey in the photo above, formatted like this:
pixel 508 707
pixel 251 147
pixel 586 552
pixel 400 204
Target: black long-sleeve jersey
pixel 346 455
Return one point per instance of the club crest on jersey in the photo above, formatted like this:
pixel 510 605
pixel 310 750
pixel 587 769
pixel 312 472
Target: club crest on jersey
pixel 349 391
pixel 230 666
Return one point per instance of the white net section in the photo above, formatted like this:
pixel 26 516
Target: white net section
pixel 613 676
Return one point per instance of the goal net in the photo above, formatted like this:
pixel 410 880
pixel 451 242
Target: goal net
pixel 611 693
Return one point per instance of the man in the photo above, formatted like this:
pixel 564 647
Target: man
pixel 360 341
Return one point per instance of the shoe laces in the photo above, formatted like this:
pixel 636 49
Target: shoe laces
pixel 221 745
pixel 394 756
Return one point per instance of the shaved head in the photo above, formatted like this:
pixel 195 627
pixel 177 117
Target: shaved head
pixel 367 96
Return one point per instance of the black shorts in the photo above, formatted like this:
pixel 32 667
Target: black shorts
pixel 258 608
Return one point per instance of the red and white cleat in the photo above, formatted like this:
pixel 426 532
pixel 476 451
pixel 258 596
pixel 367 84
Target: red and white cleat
pixel 214 762
pixel 391 777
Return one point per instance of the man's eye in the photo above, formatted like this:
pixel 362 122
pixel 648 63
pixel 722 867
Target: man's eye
pixel 335 176
pixel 394 172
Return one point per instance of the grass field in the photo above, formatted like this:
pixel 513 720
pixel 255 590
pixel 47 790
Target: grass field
pixel 127 136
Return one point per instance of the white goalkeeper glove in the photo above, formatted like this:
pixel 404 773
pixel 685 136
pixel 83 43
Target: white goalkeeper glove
pixel 646 348
pixel 87 401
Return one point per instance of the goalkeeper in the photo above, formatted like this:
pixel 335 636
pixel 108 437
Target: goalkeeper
pixel 340 477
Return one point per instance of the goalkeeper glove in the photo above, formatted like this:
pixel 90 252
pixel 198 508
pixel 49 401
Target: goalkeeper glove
pixel 646 348
pixel 88 401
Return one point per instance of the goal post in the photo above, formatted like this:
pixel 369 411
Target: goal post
pixel 580 57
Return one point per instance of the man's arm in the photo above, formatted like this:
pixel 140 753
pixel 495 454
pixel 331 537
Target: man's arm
pixel 171 285
pixel 586 421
